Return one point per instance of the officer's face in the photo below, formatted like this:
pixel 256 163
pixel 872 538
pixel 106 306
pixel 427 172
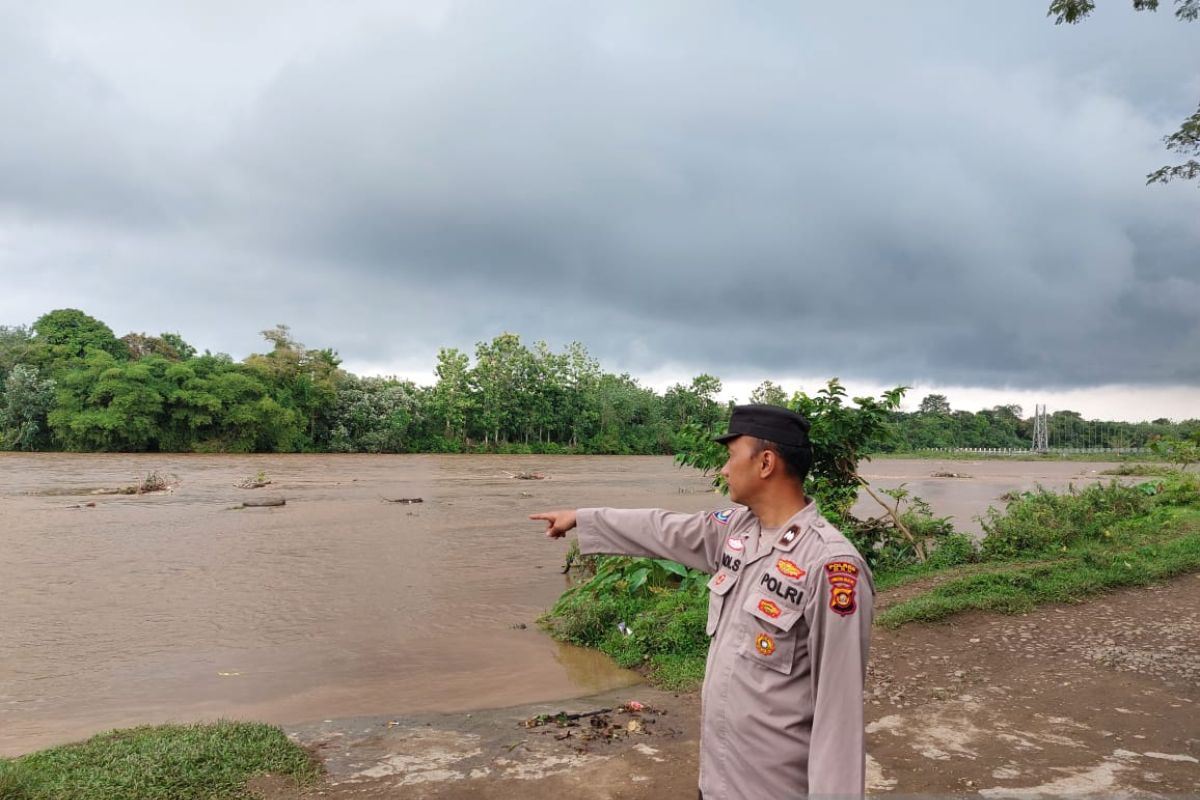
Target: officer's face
pixel 741 469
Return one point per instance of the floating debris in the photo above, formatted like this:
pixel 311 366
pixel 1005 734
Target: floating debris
pixel 254 482
pixel 154 482
pixel 264 502
pixel 949 475
pixel 403 500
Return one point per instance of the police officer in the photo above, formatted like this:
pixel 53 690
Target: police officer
pixel 789 613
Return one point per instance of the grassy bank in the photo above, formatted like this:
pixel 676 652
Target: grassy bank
pixel 166 762
pixel 938 455
pixel 1044 547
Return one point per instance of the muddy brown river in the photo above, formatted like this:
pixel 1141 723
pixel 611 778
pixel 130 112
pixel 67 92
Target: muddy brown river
pixel 176 607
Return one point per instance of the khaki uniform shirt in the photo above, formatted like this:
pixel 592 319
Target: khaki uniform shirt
pixel 790 615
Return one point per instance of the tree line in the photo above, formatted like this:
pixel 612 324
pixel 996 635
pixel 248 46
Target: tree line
pixel 67 382
pixel 935 425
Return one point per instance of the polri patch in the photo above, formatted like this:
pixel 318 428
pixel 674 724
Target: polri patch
pixel 722 517
pixel 789 569
pixel 770 609
pixel 764 644
pixel 843 578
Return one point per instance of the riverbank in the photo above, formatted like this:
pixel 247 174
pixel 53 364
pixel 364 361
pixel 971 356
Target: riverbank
pixel 1096 699
pixel 1088 700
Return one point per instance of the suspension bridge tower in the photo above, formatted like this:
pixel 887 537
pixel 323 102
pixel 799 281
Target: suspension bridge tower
pixel 1041 430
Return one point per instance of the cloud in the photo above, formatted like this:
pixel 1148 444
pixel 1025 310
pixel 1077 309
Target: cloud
pixel 946 196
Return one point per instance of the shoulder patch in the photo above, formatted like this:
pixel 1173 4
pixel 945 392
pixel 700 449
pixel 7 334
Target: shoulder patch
pixel 843 578
pixel 722 517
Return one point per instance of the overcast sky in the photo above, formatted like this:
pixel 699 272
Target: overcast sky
pixel 944 194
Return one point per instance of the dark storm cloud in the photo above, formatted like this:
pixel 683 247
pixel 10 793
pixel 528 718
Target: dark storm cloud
pixel 947 193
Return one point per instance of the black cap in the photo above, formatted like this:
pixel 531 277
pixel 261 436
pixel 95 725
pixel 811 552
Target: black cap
pixel 773 423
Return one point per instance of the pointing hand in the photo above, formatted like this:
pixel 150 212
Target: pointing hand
pixel 557 522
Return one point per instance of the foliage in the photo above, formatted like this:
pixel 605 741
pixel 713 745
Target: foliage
pixel 16 345
pixel 934 404
pixel 154 393
pixel 1139 470
pixel 1178 489
pixel 24 405
pixel 66 335
pixel 1181 452
pixel 1143 550
pixel 1002 427
pixel 840 436
pixel 1186 140
pixel 212 761
pixel 768 393
pixel 885 547
pixel 374 415
pixel 658 629
pixel 1043 522
pixel 170 346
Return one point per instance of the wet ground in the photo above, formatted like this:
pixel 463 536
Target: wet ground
pixel 178 606
pixel 1096 700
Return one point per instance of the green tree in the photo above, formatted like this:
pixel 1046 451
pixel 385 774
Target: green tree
pixel 841 436
pixel 580 374
pixel 24 406
pixel 695 403
pixel 375 415
pixel 768 393
pixel 1186 140
pixel 935 404
pixel 500 379
pixel 300 379
pixel 452 401
pixel 110 405
pixel 65 336
pixel 16 347
pixel 170 346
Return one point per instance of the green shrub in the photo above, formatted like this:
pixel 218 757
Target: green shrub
pixel 1041 522
pixel 953 550
pixel 1176 489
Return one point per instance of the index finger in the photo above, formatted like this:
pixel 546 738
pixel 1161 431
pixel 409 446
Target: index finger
pixel 546 515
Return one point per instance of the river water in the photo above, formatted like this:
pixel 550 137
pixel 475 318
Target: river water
pixel 176 607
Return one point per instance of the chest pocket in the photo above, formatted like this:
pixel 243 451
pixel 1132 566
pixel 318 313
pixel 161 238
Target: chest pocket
pixel 773 629
pixel 719 586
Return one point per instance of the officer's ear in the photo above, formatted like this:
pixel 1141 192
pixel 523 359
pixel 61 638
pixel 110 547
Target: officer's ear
pixel 768 463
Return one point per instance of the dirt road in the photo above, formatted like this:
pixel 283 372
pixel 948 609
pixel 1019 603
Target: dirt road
pixel 1098 699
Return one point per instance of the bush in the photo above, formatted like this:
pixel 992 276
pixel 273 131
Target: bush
pixel 1037 523
pixel 663 628
pixel 1177 489
pixel 885 547
pixel 953 550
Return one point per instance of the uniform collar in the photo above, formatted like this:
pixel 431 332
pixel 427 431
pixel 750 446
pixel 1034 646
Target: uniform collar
pixel 797 524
